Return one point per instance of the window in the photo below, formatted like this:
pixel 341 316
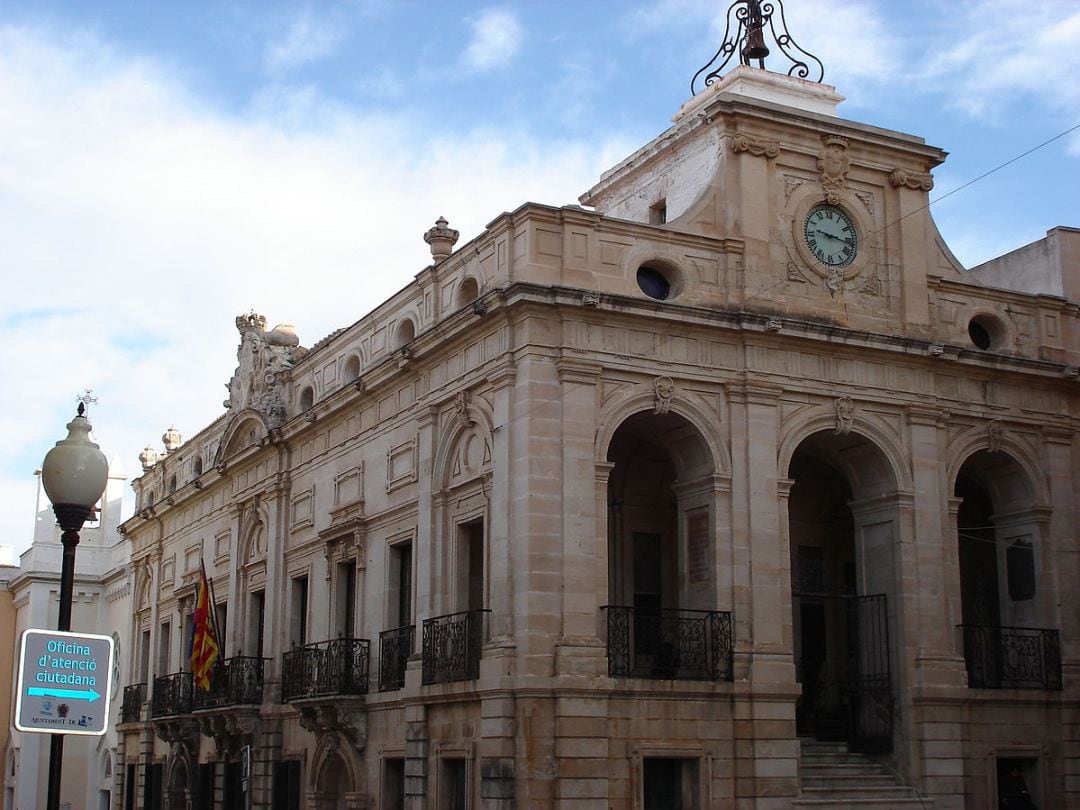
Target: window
pixel 221 616
pixel 255 623
pixel 670 784
pixel 471 566
pixel 986 332
pixel 298 629
pixel 405 333
pixel 345 584
pixel 656 281
pixel 352 368
pixel 286 788
pixel 658 213
pixel 172 484
pixel 467 292
pixel 144 656
pixel 196 467
pixel 401 584
pixel 453 785
pixel 164 649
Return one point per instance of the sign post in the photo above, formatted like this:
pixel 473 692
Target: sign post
pixel 63 682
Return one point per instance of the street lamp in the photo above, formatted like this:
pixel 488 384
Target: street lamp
pixel 74 475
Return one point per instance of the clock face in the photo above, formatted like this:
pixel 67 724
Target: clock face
pixel 831 236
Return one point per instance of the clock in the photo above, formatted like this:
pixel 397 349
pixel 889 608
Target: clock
pixel 831 236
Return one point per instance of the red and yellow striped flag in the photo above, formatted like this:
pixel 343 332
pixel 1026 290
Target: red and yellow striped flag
pixel 204 643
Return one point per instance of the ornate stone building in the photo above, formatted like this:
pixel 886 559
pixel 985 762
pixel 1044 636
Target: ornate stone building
pixel 730 483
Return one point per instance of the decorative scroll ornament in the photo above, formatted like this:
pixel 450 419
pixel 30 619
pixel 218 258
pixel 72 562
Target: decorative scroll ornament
pixel 899 178
pixel 664 388
pixel 758 147
pixel 265 359
pixel 744 34
pixel 834 166
pixel 845 415
pixel 995 435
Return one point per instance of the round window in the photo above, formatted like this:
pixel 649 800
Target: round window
pixel 653 282
pixel 986 332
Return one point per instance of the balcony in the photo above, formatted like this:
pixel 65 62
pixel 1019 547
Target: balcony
pixel 328 668
pixel 395 647
pixel 134 698
pixel 691 645
pixel 1012 657
pixel 451 647
pixel 237 681
pixel 172 695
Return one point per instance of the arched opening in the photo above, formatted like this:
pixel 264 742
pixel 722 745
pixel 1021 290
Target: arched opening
pixel 467 292
pixel 662 618
pixel 334 784
pixel 405 333
pixel 1003 605
pixel 842 514
pixel 307 398
pixel 352 368
pixel 197 467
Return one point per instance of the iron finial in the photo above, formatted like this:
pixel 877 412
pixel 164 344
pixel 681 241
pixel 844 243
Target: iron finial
pixel 744 35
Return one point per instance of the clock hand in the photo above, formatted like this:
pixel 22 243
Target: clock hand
pixel 829 235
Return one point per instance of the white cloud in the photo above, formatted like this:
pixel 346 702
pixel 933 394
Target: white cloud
pixel 136 222
pixel 496 39
pixel 307 39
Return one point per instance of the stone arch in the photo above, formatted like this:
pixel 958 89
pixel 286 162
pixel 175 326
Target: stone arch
pixel 977 438
pixel 706 421
pixel 468 290
pixel 336 774
pixel 178 777
pixel 472 417
pixel 896 474
pixel 405 330
pixel 844 512
pixel 247 429
pixel 351 367
pixel 253 537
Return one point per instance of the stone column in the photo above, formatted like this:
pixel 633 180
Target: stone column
pixel 496 753
pixel 584 550
pixel 417 744
pixel 502 573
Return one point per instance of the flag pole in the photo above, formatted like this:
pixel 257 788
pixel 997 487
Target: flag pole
pixel 213 610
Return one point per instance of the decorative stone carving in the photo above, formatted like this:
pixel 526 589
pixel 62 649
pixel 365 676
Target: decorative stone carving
pixel 871 287
pixel 590 300
pixel 793 274
pixel 441 239
pixel 791 183
pixel 834 281
pixel 995 435
pixel 845 415
pixel 172 440
pixel 758 147
pixel 340 717
pixel 867 199
pixel 265 359
pixel 834 166
pixel 900 178
pixel 774 324
pixel 663 388
pixel 462 403
pixel 148 458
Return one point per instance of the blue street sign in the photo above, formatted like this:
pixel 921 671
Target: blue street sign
pixel 63 682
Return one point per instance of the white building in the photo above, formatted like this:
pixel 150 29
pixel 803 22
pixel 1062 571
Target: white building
pixel 101 604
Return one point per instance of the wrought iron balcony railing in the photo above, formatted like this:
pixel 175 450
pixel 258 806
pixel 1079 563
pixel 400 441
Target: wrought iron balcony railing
pixel 395 647
pixel 451 647
pixel 1012 657
pixel 238 681
pixel 680 644
pixel 134 698
pixel 338 667
pixel 172 695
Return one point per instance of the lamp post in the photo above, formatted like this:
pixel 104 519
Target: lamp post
pixel 74 475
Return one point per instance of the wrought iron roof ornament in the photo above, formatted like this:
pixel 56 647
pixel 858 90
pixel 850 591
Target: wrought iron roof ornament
pixel 744 34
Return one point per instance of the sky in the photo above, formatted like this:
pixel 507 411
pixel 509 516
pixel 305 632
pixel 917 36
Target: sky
pixel 167 166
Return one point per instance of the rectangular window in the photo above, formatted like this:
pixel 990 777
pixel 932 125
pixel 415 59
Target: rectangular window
pixel 204 800
pixel 670 784
pixel 401 583
pixel 471 570
pixel 345 587
pixel 394 784
pixel 298 628
pixel 1020 570
pixel 221 617
pixel 255 624
pixel 152 780
pixel 164 649
pixel 129 787
pixel 144 656
pixel 189 637
pixel 658 213
pixel 453 785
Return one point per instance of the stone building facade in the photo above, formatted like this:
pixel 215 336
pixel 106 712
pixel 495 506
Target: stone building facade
pixel 689 498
